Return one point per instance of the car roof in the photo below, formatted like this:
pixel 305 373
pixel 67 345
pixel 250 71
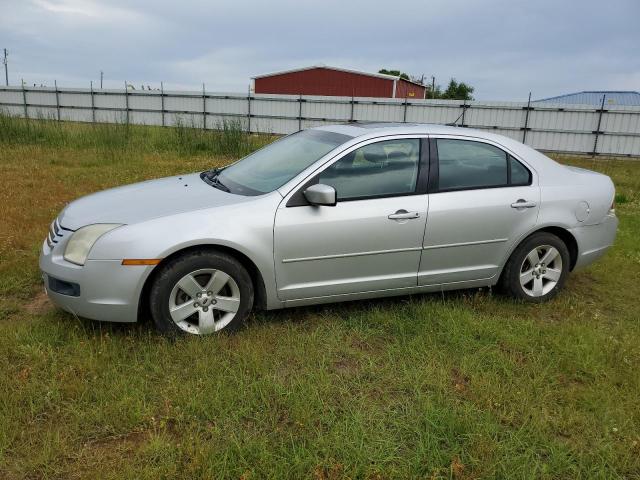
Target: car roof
pixel 364 131
pixel 379 129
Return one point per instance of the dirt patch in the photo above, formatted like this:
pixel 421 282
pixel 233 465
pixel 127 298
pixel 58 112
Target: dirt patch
pixel 585 284
pixel 332 470
pixel 24 374
pixel 8 309
pixel 104 453
pixel 369 345
pixel 457 468
pixel 39 305
pixel 513 354
pixel 572 381
pixel 459 381
pixel 128 441
pixel 346 365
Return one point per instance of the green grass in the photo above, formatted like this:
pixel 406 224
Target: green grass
pixel 465 385
pixel 122 138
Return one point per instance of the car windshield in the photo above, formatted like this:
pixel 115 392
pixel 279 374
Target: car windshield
pixel 274 165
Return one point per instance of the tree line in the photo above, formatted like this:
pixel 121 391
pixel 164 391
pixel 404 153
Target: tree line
pixel 455 90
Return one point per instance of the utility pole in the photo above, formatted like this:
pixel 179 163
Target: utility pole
pixel 6 68
pixel 101 76
pixel 433 86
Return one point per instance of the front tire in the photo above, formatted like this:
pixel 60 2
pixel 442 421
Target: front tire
pixel 200 293
pixel 537 269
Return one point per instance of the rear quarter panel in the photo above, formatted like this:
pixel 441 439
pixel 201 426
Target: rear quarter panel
pixel 577 198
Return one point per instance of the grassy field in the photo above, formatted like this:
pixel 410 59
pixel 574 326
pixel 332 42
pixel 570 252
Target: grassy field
pixel 465 385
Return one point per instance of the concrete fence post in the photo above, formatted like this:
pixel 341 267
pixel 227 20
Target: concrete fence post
pixel 300 112
pixel 404 115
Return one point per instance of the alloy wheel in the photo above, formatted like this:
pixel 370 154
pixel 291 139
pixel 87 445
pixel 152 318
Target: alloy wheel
pixel 204 301
pixel 541 270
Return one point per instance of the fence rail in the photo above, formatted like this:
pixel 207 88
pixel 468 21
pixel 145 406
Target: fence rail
pixel 603 130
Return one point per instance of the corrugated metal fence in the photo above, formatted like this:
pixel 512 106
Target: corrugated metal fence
pixel 559 128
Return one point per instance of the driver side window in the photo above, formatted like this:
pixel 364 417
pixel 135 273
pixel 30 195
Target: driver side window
pixel 376 170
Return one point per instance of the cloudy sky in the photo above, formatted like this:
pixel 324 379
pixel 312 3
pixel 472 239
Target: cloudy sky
pixel 505 48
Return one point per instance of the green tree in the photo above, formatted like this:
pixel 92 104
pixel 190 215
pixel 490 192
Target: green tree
pixel 394 73
pixel 437 93
pixel 457 91
pixel 454 91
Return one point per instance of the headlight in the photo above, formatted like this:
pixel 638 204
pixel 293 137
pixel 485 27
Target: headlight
pixel 82 240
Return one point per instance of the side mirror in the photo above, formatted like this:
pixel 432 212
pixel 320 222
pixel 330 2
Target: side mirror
pixel 321 194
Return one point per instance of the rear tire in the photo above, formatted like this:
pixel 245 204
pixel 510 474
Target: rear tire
pixel 537 268
pixel 201 292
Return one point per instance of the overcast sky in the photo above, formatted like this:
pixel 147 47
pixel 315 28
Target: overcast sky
pixel 504 48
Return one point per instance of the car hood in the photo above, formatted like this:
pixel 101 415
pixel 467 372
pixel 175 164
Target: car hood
pixel 146 200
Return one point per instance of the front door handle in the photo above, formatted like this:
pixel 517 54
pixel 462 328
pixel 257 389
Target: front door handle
pixel 403 215
pixel 522 203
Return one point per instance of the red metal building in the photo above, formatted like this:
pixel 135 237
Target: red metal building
pixel 339 82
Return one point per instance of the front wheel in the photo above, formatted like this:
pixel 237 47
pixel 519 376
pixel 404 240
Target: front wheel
pixel 200 293
pixel 537 269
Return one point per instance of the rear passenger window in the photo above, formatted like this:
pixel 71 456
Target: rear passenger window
pixel 519 173
pixel 464 164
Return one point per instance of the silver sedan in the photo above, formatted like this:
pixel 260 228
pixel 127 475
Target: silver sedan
pixel 329 214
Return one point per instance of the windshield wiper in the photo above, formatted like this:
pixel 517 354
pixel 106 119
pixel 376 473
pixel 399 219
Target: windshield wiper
pixel 211 178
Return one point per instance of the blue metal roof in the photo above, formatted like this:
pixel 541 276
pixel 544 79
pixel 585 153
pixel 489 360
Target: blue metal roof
pixel 595 98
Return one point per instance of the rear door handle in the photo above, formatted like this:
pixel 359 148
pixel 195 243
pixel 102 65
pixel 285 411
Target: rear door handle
pixel 522 203
pixel 403 215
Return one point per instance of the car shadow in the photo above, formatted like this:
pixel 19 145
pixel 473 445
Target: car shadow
pixel 354 307
pixel 295 315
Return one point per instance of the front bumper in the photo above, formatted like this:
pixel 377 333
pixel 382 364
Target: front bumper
pixel 108 291
pixel 595 240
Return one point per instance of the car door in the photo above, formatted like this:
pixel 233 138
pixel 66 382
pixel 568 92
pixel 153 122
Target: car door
pixel 481 201
pixel 371 239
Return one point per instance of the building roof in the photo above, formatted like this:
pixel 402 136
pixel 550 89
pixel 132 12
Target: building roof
pixel 594 97
pixel 326 67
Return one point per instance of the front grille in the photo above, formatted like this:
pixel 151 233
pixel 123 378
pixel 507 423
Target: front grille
pixel 56 232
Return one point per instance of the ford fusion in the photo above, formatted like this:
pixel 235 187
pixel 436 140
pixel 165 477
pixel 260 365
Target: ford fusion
pixel 329 214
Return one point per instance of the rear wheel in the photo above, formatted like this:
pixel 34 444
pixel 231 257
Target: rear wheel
pixel 537 269
pixel 201 293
